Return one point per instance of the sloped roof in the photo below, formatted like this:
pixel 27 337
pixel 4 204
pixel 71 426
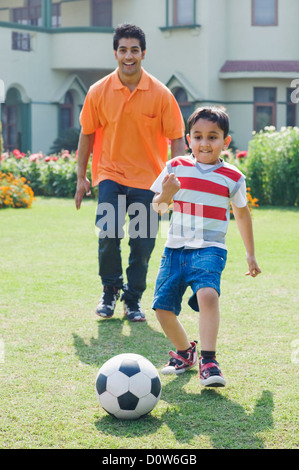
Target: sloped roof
pixel 260 66
pixel 179 78
pixel 71 82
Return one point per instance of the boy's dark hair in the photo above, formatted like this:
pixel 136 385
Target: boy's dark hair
pixel 211 113
pixel 129 31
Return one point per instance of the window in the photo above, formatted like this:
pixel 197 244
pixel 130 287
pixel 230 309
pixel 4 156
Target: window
pixel 21 41
pixel 31 14
pixel 67 112
pixel 291 109
pixel 264 108
pixel 264 12
pixel 101 13
pixel 10 126
pixel 182 99
pixel 183 12
pixel 180 14
pixel 56 15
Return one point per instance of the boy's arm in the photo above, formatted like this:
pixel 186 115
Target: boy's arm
pixel 244 222
pixel 170 186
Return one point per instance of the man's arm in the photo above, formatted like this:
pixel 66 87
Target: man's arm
pixel 244 222
pixel 177 147
pixel 84 150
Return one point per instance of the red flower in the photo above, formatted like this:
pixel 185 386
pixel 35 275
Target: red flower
pixel 241 155
pixel 16 153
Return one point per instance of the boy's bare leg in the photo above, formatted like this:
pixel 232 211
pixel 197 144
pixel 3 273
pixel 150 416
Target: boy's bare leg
pixel 173 329
pixel 209 318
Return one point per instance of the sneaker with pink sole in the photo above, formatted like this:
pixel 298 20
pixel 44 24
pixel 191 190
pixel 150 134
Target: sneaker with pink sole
pixel 181 361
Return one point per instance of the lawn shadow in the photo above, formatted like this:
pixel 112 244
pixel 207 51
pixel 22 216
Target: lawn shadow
pixel 138 338
pixel 207 412
pixel 212 414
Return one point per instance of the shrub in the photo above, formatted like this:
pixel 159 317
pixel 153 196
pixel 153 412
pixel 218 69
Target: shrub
pixel 272 166
pixel 1 139
pixel 68 140
pixel 14 191
pixel 251 202
pixel 50 175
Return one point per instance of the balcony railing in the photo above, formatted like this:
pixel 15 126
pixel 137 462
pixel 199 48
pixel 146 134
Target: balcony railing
pixel 59 17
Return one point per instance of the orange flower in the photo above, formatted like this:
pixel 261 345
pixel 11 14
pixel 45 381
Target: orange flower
pixel 14 191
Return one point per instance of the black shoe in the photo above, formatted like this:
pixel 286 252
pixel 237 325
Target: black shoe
pixel 107 302
pixel 132 310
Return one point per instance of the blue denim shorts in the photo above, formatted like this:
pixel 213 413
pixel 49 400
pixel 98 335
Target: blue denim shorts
pixel 183 267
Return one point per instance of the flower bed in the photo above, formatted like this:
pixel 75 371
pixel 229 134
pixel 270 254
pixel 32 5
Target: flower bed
pixel 50 175
pixel 14 191
pixel 56 175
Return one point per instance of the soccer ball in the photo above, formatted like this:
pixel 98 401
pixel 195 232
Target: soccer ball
pixel 128 386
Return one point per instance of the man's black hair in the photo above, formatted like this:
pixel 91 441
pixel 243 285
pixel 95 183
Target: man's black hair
pixel 129 31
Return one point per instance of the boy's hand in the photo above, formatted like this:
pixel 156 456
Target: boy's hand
pixel 254 269
pixel 171 184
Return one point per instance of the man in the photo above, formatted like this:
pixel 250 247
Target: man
pixel 127 120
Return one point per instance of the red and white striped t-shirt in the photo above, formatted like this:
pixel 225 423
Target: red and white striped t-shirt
pixel 201 209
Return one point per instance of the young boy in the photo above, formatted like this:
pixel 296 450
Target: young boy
pixel 201 187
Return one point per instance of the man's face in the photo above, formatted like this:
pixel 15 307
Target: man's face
pixel 129 56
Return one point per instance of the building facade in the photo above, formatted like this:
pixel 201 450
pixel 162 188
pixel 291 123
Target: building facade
pixel 242 54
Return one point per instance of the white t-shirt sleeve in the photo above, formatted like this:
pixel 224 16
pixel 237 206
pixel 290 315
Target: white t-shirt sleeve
pixel 239 199
pixel 157 184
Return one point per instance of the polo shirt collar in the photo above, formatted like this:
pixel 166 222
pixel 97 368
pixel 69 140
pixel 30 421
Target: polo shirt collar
pixel 142 85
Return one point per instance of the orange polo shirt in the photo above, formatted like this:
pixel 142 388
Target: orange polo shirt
pixel 131 129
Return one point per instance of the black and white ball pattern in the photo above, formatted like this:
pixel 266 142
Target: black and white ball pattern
pixel 128 386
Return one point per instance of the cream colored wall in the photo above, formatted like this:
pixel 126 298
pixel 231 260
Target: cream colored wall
pixel 75 51
pixel 11 3
pixel 75 14
pixel 45 120
pixel 4 15
pixel 247 42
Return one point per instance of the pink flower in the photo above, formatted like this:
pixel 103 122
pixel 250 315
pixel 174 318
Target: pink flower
pixel 65 154
pixel 34 157
pixel 241 155
pixel 225 153
pixel 4 156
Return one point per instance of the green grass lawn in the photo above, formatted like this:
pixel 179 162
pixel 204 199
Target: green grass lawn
pixel 52 343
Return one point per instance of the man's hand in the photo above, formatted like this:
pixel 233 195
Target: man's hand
pixel 84 150
pixel 83 187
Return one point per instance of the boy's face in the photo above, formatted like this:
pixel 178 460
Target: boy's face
pixel 207 141
pixel 129 56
